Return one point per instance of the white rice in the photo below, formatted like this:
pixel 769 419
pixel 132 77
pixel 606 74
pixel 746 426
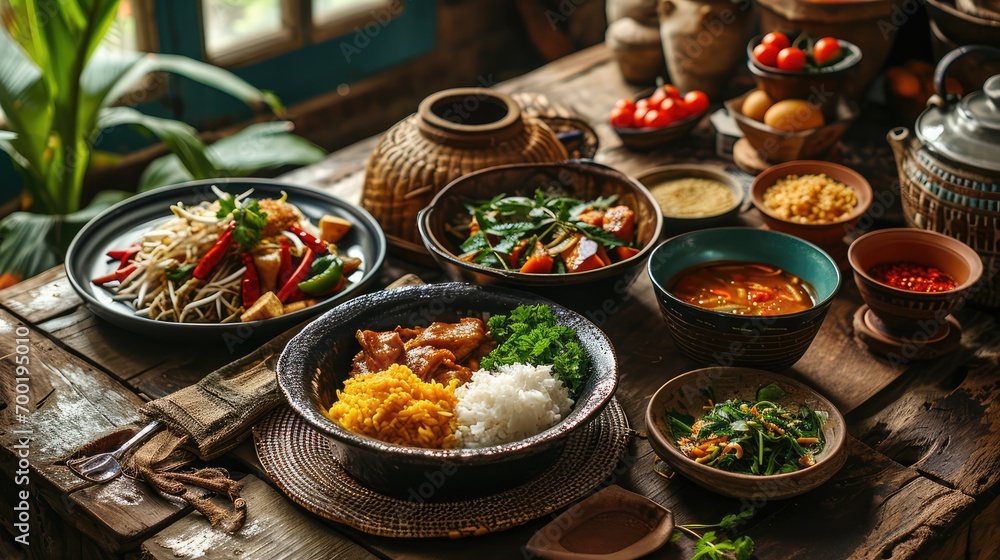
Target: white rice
pixel 514 403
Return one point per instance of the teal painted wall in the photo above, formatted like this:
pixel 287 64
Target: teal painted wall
pixel 294 76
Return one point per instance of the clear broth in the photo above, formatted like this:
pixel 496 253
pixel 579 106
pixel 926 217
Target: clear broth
pixel 743 288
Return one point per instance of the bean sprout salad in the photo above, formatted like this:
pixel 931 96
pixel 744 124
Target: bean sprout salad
pixel 230 260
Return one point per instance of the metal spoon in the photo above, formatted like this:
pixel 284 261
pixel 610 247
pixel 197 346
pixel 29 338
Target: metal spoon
pixel 104 467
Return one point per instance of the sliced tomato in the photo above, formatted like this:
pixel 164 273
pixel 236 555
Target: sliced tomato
pixel 540 261
pixel 620 220
pixel 584 255
pixel 515 255
pixel 626 252
pixel 593 217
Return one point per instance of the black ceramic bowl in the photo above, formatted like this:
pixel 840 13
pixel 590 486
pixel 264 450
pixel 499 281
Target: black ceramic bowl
pixel 315 363
pixel 722 339
pixel 580 179
pixel 125 222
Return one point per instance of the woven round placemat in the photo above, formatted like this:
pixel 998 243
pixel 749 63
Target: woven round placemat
pixel 303 463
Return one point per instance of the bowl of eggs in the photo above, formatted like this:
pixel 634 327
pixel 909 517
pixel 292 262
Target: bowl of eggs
pixel 789 129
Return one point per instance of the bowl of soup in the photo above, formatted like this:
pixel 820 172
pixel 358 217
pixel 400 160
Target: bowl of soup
pixel 743 296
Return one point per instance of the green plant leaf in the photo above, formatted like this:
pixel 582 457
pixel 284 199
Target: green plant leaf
pixel 212 76
pixel 26 102
pixel 33 243
pixel 181 138
pixel 256 147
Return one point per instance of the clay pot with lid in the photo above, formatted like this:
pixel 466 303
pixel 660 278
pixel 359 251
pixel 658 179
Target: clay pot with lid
pixel 949 167
pixel 453 132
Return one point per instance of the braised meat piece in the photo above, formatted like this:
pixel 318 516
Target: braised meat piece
pixel 442 351
pixel 462 338
pixel 379 350
pixel 424 361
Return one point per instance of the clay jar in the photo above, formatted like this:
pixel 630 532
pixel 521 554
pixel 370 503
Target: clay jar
pixel 704 41
pixel 453 132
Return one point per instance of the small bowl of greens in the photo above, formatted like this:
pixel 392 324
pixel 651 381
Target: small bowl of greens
pixel 746 433
pixel 543 227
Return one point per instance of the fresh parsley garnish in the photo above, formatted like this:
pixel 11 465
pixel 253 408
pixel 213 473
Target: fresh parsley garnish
pixel 250 219
pixel 710 547
pixel 530 335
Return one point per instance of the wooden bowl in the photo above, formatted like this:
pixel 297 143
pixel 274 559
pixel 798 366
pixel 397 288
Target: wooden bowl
pixel 780 146
pixel 904 310
pixel 827 235
pixel 709 337
pixel 647 138
pixel 314 365
pixel 586 180
pixel 823 87
pixel 673 225
pixel 686 394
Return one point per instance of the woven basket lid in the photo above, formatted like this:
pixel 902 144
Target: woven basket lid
pixel 303 463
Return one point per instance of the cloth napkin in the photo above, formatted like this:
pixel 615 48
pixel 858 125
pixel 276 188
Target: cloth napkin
pixel 204 421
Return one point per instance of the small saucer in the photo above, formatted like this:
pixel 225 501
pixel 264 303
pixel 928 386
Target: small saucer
pixel 613 524
pixel 747 158
pixel 911 346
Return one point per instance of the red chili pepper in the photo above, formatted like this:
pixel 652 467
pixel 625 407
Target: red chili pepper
pixel 214 255
pixel 318 246
pixel 285 262
pixel 913 277
pixel 290 289
pixel 123 272
pixel 123 254
pixel 120 274
pixel 102 280
pixel 250 282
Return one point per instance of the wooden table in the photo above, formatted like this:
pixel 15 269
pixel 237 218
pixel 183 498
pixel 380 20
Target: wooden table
pixel 921 480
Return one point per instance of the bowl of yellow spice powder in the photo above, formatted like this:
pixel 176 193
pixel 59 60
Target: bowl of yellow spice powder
pixel 694 197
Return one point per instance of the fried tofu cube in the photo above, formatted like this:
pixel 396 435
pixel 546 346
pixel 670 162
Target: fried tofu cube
pixel 333 228
pixel 266 307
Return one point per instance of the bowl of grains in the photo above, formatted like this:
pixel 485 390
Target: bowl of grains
pixel 913 278
pixel 817 201
pixel 694 197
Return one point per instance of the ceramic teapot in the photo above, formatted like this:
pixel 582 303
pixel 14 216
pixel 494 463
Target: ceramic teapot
pixel 949 167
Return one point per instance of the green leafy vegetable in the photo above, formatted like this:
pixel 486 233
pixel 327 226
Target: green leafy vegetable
pixel 710 547
pixel 758 438
pixel 505 222
pixel 530 335
pixel 250 220
pixel 179 273
pixel 770 392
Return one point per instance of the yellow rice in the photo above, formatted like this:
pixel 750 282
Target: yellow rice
pixel 396 406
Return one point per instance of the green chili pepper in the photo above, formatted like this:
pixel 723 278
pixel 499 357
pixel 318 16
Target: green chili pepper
pixel 325 280
pixel 321 264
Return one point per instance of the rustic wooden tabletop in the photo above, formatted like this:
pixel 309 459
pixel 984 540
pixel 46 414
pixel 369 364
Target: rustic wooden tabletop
pixel 921 480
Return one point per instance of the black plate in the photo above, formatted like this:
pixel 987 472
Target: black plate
pixel 124 223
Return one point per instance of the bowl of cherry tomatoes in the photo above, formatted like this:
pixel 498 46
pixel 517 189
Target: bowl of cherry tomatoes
pixel 657 116
pixel 799 66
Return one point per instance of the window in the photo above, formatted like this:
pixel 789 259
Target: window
pixel 239 32
pixel 132 28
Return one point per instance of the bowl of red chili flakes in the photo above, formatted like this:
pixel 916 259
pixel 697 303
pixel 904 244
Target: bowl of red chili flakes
pixel 908 276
